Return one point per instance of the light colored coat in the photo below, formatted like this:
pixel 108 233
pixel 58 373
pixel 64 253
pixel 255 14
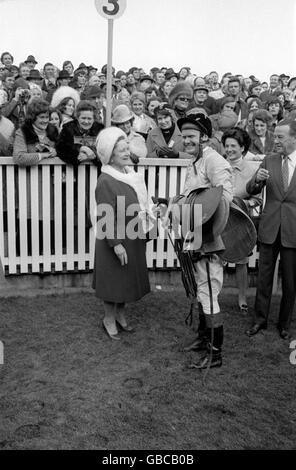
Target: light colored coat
pixel 155 140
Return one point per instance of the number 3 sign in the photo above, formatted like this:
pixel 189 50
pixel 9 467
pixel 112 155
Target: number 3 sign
pixel 110 9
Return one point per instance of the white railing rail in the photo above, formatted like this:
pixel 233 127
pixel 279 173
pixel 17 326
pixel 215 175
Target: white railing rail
pixel 43 215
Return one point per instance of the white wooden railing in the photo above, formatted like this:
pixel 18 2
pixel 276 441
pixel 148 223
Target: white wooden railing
pixel 45 195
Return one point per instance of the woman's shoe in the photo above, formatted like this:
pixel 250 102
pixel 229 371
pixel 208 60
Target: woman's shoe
pixel 127 328
pixel 114 336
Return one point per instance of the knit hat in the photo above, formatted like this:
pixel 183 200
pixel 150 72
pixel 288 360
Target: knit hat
pixel 64 92
pixel 92 92
pixel 227 119
pixel 181 88
pixel 34 75
pixel 21 83
pixel 106 142
pixel 121 114
pixel 63 74
pixel 31 58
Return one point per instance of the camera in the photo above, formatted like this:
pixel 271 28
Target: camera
pixel 24 96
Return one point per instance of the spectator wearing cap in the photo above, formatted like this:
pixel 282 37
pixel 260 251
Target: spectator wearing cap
pixel 31 62
pixel 35 79
pixel 96 96
pixel 285 79
pixel 180 97
pixel 92 71
pixel 142 122
pixel 262 139
pixel 123 118
pixel 172 77
pixel 165 140
pixel 207 169
pixel 145 82
pixel 201 99
pixel 63 79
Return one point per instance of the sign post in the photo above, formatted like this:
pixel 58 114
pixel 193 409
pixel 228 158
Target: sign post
pixel 110 9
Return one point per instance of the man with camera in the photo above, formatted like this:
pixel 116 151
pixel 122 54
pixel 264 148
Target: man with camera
pixel 16 108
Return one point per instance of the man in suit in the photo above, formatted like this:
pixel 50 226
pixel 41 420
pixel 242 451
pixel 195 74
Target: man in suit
pixel 277 228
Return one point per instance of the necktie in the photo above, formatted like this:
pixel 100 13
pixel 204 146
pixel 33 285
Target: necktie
pixel 285 173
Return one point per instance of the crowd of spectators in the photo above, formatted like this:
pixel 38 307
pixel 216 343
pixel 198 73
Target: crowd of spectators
pixel 52 112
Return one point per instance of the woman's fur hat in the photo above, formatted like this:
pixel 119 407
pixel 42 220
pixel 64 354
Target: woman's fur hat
pixel 64 92
pixel 181 88
pixel 106 142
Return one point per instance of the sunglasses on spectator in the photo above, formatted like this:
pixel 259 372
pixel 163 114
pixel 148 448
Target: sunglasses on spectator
pixel 183 98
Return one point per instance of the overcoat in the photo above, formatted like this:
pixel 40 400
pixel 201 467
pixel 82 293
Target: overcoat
pixel 111 281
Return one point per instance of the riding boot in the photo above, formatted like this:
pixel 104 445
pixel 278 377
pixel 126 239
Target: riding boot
pixel 213 356
pixel 200 342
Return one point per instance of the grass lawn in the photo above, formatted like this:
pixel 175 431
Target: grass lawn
pixel 66 385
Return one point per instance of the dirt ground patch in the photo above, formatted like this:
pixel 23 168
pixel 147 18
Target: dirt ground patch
pixel 66 385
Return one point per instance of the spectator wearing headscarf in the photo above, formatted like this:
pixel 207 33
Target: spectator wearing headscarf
pixel 165 140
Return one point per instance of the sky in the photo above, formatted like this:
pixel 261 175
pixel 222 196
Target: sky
pixel 239 36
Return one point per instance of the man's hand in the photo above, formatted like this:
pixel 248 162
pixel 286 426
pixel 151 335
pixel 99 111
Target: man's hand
pixel 121 254
pixel 262 175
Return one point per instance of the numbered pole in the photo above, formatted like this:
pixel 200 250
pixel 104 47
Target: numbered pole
pixel 110 9
pixel 109 73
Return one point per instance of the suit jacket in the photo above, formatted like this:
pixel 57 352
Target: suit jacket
pixel 155 140
pixel 279 212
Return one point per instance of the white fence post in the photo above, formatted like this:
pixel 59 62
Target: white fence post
pixel 50 196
